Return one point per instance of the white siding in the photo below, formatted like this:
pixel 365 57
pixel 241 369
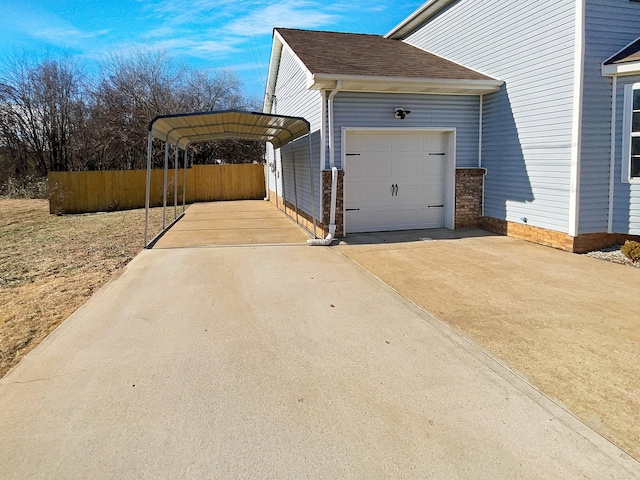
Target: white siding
pixel 376 110
pixel 626 206
pixel 293 98
pixel 610 26
pixel 527 125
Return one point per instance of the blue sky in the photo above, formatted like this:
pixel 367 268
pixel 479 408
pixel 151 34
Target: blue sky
pixel 207 34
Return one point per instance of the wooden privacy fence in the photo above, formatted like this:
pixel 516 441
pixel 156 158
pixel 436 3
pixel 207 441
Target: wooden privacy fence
pixel 84 192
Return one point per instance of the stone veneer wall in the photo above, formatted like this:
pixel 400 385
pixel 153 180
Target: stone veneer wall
pixel 580 244
pixel 326 202
pixel 469 186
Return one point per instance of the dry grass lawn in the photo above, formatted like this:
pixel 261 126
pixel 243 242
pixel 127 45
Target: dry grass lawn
pixel 50 265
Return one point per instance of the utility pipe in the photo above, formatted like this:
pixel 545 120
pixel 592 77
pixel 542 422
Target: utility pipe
pixel 334 176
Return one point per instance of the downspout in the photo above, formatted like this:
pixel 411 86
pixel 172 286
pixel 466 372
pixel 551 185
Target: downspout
pixel 334 176
pixel 612 160
pixel 480 149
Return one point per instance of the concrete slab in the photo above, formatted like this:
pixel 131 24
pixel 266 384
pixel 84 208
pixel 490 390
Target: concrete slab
pixel 564 321
pixel 276 362
pixel 241 222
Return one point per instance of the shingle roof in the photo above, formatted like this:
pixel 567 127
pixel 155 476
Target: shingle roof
pixel 370 55
pixel 630 53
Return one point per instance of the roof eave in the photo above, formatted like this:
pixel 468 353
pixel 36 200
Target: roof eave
pixel 615 69
pixel 417 18
pixel 371 84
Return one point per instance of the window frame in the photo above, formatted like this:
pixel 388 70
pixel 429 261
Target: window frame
pixel 628 134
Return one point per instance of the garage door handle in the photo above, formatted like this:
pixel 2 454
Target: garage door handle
pixel 351 209
pixel 394 190
pixel 435 206
pixel 438 154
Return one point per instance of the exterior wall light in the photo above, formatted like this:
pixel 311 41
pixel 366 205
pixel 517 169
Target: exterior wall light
pixel 401 113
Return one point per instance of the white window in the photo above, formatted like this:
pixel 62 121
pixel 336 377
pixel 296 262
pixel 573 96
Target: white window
pixel 631 134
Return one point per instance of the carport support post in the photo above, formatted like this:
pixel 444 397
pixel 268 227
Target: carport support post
pixel 313 193
pixel 184 178
pixel 175 184
pixel 146 203
pixel 164 189
pixel 295 185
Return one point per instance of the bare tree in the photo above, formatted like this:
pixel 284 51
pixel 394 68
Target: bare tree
pixel 52 118
pixel 42 109
pixel 138 85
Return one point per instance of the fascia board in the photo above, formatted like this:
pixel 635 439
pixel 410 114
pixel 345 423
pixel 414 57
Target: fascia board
pixel 631 68
pixel 274 66
pixel 403 84
pixel 413 21
pixel 279 44
pixel 622 49
pixel 293 54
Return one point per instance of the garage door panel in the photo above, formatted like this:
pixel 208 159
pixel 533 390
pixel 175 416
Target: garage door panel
pixel 357 166
pixel 378 165
pixel 408 143
pixel 379 143
pixel 409 167
pixel 356 194
pixel 408 194
pixel 357 142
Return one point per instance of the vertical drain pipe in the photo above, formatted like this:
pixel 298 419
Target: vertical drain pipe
pixel 334 176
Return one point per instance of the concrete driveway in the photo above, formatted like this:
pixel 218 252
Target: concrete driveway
pixel 568 323
pixel 276 362
pixel 241 222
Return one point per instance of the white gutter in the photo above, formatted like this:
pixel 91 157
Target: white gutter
pixel 334 177
pixel 380 83
pixel 612 160
pixel 420 16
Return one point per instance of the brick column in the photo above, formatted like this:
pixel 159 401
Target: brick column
pixel 469 182
pixel 326 202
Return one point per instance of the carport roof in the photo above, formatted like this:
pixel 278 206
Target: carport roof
pixel 187 128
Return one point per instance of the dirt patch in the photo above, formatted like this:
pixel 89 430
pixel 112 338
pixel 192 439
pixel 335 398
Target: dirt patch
pixel 566 322
pixel 51 265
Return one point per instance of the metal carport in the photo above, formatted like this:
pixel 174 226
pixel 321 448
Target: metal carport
pixel 185 129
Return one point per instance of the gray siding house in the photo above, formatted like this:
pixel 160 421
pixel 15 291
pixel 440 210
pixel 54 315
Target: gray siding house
pixel 521 117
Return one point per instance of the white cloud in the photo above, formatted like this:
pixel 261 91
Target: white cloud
pixel 294 14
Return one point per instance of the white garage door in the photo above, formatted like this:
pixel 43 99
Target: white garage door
pixel 394 180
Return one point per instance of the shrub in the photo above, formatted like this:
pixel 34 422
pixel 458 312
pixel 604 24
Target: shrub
pixel 631 250
pixel 25 187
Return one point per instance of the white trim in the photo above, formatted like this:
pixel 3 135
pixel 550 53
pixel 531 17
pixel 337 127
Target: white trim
pixel 274 68
pixel 384 84
pixel 627 111
pixel 323 131
pixel 631 68
pixel 450 180
pixel 576 129
pixel 292 52
pixel 418 17
pixel 612 158
pixel 480 133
